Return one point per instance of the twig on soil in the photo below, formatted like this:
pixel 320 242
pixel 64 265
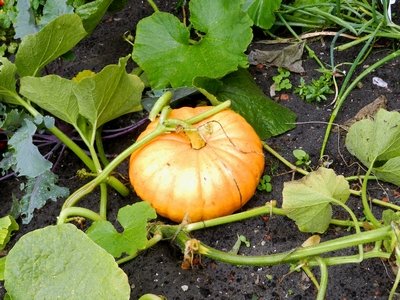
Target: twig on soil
pixel 305 36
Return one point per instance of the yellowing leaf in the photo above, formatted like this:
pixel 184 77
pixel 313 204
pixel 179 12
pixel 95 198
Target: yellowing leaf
pixel 312 241
pixel 308 201
pixel 82 75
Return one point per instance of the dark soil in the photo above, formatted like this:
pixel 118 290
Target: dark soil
pixel 158 270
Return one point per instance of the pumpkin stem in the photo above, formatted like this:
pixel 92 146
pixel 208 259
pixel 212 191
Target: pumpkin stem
pixel 196 140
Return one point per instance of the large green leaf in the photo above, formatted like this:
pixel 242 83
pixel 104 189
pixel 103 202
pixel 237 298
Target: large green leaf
pixel 100 98
pixel 133 218
pixel 308 201
pixel 266 116
pixel 109 94
pixel 165 51
pixel 7 81
pixel 377 141
pixel 61 262
pixel 53 40
pixel 262 11
pixel 54 94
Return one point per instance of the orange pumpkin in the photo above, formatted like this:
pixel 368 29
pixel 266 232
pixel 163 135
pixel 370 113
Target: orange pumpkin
pixel 181 182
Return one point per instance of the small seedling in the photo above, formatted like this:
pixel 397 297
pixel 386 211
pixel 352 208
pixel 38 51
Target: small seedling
pixel 241 240
pixel 265 184
pixel 281 80
pixel 317 90
pixel 303 159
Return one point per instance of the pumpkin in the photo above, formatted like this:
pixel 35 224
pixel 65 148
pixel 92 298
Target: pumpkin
pixel 182 182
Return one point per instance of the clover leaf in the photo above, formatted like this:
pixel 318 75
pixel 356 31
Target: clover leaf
pixel 165 51
pixel 308 201
pixel 376 143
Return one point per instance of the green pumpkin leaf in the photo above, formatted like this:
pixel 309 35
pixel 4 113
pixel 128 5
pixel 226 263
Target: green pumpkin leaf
pixel 54 94
pixel 390 171
pixel 308 201
pixel 7 81
pixel 165 51
pixel 7 226
pixel 99 98
pixel 133 218
pixel 262 11
pixel 61 262
pixel 267 117
pixel 377 141
pixel 109 94
pixel 56 38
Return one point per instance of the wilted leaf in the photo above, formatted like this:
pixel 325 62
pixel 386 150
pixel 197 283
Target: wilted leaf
pixel 133 219
pixel 377 142
pixel 368 111
pixel 266 116
pixel 289 58
pixel 61 262
pixel 308 201
pixel 165 51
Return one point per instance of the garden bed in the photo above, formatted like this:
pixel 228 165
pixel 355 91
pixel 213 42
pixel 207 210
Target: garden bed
pixel 158 270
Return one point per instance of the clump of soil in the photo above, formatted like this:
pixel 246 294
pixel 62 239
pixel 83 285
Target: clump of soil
pixel 158 270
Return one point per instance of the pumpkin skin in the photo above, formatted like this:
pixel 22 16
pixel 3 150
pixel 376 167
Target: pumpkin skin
pixel 183 183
